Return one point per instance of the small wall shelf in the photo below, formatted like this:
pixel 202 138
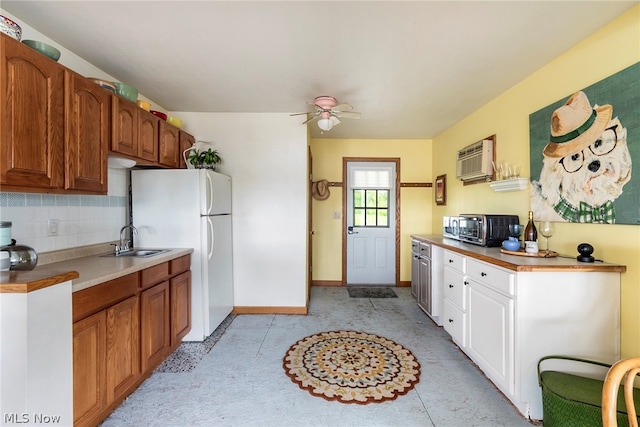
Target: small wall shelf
pixel 517 184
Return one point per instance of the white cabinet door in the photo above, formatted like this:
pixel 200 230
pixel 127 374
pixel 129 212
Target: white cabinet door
pixel 454 288
pixel 490 334
pixel 455 323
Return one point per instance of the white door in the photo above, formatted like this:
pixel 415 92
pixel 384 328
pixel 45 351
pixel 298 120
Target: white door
pixel 371 223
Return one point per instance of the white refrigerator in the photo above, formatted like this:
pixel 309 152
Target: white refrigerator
pixel 190 208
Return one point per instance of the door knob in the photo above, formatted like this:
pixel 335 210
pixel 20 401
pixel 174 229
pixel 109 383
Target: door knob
pixel 350 230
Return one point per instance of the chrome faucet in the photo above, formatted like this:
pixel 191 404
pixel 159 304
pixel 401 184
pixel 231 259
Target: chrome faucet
pixel 125 245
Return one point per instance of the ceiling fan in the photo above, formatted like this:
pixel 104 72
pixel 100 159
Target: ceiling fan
pixel 328 112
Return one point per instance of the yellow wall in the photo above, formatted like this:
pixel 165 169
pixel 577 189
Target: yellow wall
pixel 415 203
pixel 613 48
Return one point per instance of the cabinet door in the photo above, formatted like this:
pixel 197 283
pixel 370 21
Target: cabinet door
pixel 454 288
pixel 186 142
pixel 32 120
pixel 148 136
pixel 124 127
pixel 89 369
pixel 169 145
pixel 455 323
pixel 88 125
pixel 123 344
pixel 425 284
pixel 490 334
pixel 154 325
pixel 180 307
pixel 415 275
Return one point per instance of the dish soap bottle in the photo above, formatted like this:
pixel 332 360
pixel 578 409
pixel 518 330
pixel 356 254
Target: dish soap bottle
pixel 530 235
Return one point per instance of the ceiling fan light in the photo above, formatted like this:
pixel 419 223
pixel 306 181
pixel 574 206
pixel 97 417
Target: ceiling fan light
pixel 325 124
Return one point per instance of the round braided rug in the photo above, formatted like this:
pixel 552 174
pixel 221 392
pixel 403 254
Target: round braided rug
pixel 352 367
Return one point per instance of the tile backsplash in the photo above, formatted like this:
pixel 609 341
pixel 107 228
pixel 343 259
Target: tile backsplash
pixel 82 220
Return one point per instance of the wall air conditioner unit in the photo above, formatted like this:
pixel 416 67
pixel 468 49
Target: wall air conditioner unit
pixel 475 161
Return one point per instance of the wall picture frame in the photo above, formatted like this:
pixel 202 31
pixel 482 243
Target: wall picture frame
pixel 441 190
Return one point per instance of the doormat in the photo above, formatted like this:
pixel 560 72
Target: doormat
pixel 352 367
pixel 188 354
pixel 371 292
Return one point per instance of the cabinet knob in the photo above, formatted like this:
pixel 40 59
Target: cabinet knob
pixel 450 320
pixel 450 261
pixel 466 283
pixel 483 274
pixel 450 286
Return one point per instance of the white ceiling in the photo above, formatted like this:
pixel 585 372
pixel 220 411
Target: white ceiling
pixel 411 68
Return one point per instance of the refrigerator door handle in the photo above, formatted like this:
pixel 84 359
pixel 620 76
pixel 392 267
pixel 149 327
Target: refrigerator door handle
pixel 210 193
pixel 210 238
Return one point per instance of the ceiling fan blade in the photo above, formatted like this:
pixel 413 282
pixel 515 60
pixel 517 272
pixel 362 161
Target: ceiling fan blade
pixel 309 119
pixel 342 107
pixel 299 114
pixel 334 120
pixel 348 115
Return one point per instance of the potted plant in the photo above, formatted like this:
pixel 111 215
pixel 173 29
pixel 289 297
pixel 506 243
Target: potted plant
pixel 205 159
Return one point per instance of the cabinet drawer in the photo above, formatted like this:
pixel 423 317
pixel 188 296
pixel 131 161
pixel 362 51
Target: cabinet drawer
pixel 454 288
pixel 455 261
pixel 152 275
pixel 181 264
pixel 455 323
pixel 425 249
pixel 493 277
pixel 91 300
pixel 415 247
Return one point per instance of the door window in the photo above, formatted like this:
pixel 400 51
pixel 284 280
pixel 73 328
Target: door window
pixel 370 208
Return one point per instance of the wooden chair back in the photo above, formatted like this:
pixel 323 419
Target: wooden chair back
pixel 625 371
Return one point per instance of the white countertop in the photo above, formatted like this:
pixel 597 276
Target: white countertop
pixel 85 271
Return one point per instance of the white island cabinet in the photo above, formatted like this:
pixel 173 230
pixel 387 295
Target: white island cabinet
pixel 36 375
pixel 506 312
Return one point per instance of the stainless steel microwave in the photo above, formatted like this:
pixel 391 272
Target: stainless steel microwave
pixel 485 230
pixel 451 227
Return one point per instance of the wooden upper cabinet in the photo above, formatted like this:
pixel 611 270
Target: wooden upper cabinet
pixel 148 136
pixel 88 134
pixel 169 145
pixel 124 127
pixel 135 132
pixel 186 142
pixel 32 121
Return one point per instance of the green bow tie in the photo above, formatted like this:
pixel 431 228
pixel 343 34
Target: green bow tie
pixel 605 213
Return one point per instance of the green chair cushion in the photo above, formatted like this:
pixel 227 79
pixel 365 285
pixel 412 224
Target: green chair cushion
pixel 582 389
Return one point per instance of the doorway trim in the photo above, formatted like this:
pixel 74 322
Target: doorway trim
pixel 345 161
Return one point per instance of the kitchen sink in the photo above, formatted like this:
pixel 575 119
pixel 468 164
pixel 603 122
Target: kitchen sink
pixel 139 253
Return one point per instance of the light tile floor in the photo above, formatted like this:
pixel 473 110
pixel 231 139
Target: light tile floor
pixel 241 381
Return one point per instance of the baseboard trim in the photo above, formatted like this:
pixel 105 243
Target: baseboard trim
pixel 402 284
pixel 326 283
pixel 269 310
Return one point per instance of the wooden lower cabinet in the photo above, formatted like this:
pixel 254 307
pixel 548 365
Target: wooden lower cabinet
pixel 154 328
pixel 123 329
pixel 89 369
pixel 180 307
pixel 123 351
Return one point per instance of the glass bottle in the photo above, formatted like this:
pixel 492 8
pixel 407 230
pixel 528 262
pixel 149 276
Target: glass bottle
pixel 530 231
